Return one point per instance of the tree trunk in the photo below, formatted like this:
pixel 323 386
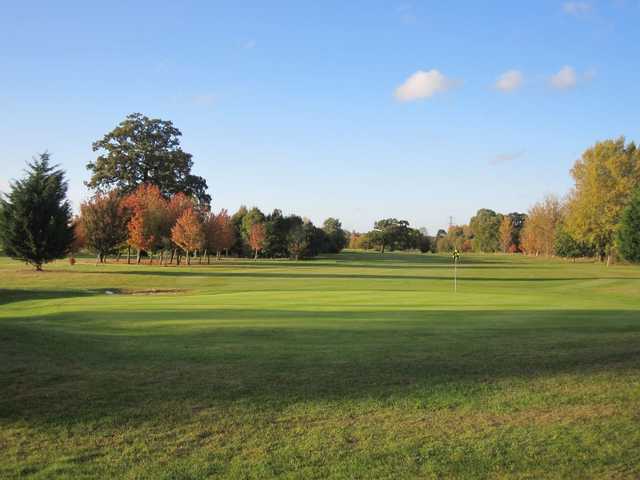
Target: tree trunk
pixel 161 256
pixel 98 259
pixel 173 252
pixel 608 260
pixel 255 257
pixel 138 257
pixel 382 249
pixel 188 258
pixel 128 255
pixel 150 258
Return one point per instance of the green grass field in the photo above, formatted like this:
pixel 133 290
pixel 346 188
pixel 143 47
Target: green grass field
pixel 352 366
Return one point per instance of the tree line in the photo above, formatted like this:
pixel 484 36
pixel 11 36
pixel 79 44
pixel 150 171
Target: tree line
pixel 147 201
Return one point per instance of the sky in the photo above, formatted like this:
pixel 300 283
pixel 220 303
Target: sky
pixel 419 110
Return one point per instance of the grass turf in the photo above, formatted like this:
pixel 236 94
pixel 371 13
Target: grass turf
pixel 351 366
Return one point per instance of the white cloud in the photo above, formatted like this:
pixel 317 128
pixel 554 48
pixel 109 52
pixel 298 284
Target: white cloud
pixel 506 157
pixel 4 186
pixel 509 81
pixel 423 85
pixel 566 78
pixel 576 8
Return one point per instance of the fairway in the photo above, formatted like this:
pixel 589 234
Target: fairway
pixel 357 365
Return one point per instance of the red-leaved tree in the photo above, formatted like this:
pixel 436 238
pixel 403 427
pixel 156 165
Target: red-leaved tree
pixel 188 233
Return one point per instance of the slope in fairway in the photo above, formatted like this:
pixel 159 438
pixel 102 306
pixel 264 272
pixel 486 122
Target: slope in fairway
pixel 351 366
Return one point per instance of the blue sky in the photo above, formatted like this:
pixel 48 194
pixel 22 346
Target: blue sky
pixel 360 110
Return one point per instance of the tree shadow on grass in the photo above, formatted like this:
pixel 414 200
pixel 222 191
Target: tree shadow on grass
pixel 187 272
pixel 75 366
pixel 9 295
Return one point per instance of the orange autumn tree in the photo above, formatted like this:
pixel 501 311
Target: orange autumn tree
pixel 176 206
pixel 506 234
pixel 257 235
pixel 148 210
pixel 188 233
pixel 219 233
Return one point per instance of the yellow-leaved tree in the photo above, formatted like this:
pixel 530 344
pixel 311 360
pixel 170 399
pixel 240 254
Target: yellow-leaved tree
pixel 605 178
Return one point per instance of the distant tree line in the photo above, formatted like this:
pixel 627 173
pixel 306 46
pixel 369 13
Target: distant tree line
pixel 599 218
pixel 147 201
pixel 390 234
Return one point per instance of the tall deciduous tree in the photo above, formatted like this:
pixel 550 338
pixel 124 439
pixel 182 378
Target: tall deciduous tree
pixel 256 238
pixel 629 231
pixel 539 232
pixel 252 217
pixel 336 236
pixel 149 216
pixel 298 241
pixel 35 220
pixel 605 178
pixel 388 232
pixel 188 233
pixel 485 226
pixel 104 224
pixel 143 150
pixel 506 234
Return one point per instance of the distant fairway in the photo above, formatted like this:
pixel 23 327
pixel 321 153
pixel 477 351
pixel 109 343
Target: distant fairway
pixel 351 366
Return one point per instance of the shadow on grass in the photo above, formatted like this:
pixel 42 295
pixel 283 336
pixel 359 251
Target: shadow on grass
pixel 201 272
pixel 74 366
pixel 8 295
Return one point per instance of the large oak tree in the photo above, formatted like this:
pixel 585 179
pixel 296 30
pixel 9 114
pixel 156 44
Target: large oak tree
pixel 143 150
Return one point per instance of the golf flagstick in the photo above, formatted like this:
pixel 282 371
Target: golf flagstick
pixel 456 257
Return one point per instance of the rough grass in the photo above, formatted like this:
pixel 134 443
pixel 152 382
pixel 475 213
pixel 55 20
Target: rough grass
pixel 352 366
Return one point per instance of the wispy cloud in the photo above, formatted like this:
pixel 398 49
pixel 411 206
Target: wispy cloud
pixel 509 81
pixel 205 100
pixel 424 84
pixel 506 157
pixel 564 79
pixel 4 185
pixel 249 44
pixel 577 8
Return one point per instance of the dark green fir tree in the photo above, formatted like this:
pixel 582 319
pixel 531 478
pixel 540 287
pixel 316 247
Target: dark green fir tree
pixel 35 217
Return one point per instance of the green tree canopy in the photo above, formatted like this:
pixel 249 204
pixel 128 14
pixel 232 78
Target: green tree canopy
pixel 629 231
pixel 485 226
pixel 35 221
pixel 144 150
pixel 390 232
pixel 336 237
